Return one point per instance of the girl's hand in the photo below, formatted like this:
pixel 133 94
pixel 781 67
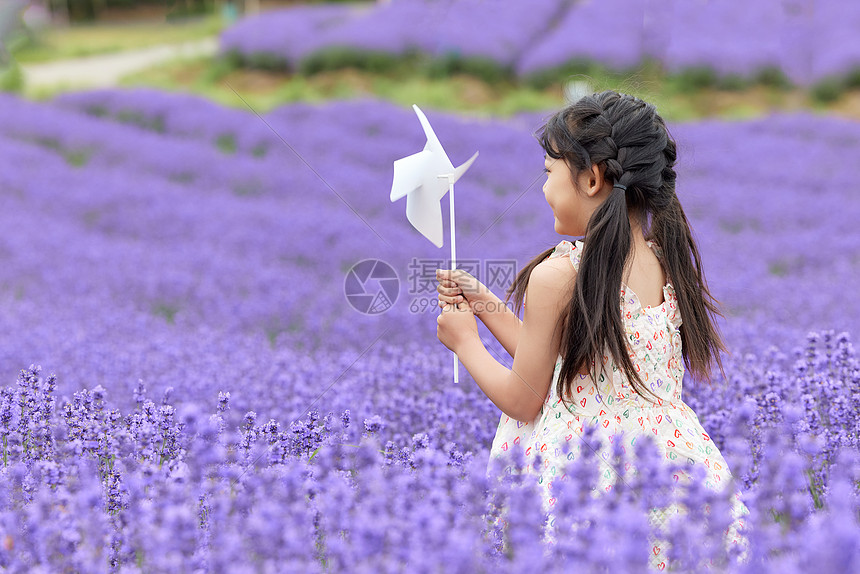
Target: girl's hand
pixel 458 286
pixel 456 325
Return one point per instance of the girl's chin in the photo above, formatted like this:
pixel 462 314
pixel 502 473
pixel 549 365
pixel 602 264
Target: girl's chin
pixel 559 228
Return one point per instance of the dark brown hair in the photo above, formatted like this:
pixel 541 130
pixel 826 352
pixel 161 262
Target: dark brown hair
pixel 627 135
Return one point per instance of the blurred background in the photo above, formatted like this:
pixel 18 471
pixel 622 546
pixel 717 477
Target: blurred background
pixel 699 60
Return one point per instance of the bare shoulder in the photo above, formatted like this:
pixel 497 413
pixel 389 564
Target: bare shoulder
pixel 552 279
pixel 557 269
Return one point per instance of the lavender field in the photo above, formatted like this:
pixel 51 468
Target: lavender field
pixel 808 41
pixel 218 405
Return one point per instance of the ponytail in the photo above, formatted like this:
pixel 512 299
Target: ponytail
pixel 593 316
pixel 628 136
pixel 700 337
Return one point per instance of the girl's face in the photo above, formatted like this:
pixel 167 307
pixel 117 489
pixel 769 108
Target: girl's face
pixel 572 207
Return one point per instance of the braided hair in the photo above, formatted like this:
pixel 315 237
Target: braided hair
pixel 629 137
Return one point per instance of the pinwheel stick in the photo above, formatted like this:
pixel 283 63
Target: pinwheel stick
pixel 420 178
pixel 451 177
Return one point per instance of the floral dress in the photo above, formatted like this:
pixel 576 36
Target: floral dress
pixel 654 346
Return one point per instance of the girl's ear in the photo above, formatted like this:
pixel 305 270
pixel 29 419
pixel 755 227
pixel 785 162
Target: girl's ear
pixel 593 181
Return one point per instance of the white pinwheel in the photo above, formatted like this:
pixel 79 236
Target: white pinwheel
pixel 424 178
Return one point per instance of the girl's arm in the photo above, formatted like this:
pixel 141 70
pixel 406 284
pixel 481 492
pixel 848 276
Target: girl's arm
pixel 500 320
pixel 519 392
pixel 492 311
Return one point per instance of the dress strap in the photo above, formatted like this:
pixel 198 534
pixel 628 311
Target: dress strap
pixel 574 252
pixel 570 250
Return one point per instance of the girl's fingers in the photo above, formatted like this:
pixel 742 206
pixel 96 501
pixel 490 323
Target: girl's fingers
pixel 447 274
pixel 450 300
pixel 449 291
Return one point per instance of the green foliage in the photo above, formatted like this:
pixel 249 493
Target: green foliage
pixel 339 57
pixel 165 310
pixel 575 66
pixel 96 110
pixel 852 78
pixel 483 68
pixel 518 100
pixel 827 90
pixel 734 82
pixel 259 150
pixel 74 157
pixel 695 78
pixel 816 489
pixel 778 268
pixel 77 157
pixel 11 78
pixel 772 76
pixel 102 37
pixel 226 143
pixel 136 118
pixel 185 8
pixel 81 10
pixel 266 61
pixel 276 327
pixel 90 10
pixel 652 67
pixel 221 66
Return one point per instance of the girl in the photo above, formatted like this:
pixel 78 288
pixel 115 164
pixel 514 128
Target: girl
pixel 612 320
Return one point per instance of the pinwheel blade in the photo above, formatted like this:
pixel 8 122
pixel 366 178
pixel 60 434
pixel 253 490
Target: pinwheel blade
pixel 424 178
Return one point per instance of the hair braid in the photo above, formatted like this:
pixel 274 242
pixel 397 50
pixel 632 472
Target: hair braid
pixel 629 138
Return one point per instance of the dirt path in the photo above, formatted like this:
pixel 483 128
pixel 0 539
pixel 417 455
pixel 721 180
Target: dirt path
pixel 106 70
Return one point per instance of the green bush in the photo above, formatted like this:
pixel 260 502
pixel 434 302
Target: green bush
pixel 695 78
pixel 852 78
pixel 232 58
pixel 452 63
pixel 827 90
pixel 557 75
pixel 734 82
pixel 189 8
pixel 339 57
pixel 266 61
pixel 772 76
